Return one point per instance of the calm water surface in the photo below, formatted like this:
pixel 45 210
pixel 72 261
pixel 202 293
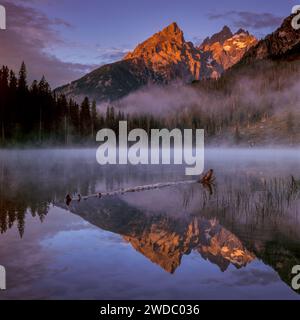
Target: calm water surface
pixel 237 239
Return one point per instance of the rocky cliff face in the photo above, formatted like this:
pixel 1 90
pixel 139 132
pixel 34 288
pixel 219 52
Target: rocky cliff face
pixel 169 55
pixel 220 37
pixel 225 49
pixel 283 43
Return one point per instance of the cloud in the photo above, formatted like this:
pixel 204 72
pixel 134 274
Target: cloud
pixel 28 36
pixel 251 20
pixel 253 276
pixel 108 55
pixel 154 99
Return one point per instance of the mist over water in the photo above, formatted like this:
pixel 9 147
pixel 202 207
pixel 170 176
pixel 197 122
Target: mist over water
pixel 238 239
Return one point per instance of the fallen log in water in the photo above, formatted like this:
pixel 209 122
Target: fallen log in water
pixel 206 179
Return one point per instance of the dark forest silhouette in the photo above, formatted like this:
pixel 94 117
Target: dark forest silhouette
pixel 36 115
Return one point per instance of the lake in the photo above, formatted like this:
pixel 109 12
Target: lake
pixel 236 239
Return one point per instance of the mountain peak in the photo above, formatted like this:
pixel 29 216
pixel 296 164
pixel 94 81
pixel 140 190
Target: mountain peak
pixel 172 29
pixel 242 31
pixel 169 55
pixel 220 37
pixel 162 46
pixel 226 29
pixel 226 48
pixel 171 32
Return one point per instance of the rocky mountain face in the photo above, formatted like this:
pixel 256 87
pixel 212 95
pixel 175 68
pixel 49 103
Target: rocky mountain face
pixel 284 43
pixel 111 82
pixel 224 49
pixel 163 58
pixel 220 37
pixel 169 55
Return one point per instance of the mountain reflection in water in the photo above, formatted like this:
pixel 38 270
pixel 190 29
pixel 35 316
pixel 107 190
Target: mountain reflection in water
pixel 251 215
pixel 162 238
pixel 166 224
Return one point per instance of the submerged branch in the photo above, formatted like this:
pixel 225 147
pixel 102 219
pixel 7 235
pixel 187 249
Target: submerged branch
pixel 207 179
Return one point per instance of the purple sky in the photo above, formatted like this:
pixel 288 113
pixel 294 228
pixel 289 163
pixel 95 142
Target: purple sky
pixel 64 39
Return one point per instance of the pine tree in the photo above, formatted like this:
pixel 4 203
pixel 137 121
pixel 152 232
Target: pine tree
pixel 22 83
pixel 94 116
pixel 13 82
pixel 4 90
pixel 85 118
pixel 74 118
